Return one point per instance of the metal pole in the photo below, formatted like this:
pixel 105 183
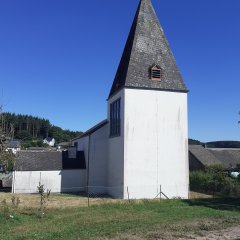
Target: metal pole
pixel 160 192
pixel 128 195
pixel 189 193
pixel 13 183
pixel 89 147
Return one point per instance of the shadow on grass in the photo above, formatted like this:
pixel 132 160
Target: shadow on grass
pixel 230 204
pixel 85 195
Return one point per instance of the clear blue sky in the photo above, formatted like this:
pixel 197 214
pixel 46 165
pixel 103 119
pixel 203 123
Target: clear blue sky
pixel 58 59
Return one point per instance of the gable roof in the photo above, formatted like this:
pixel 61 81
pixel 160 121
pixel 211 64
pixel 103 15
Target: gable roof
pixel 203 155
pixel 13 144
pixel 147 46
pixel 49 139
pixel 229 158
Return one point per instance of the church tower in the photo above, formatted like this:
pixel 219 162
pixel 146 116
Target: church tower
pixel 147 114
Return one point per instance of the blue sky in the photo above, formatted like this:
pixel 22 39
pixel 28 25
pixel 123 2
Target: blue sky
pixel 58 59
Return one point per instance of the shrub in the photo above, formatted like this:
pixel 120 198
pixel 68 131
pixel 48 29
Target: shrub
pixel 43 198
pixel 214 179
pixel 15 201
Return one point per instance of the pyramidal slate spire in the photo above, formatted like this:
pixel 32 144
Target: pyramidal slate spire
pixel 146 47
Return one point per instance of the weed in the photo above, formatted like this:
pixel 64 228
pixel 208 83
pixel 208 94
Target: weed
pixel 43 198
pixel 15 201
pixel 6 210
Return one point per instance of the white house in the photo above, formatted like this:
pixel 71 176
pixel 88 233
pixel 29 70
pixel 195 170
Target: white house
pixel 142 147
pixel 49 141
pixel 13 145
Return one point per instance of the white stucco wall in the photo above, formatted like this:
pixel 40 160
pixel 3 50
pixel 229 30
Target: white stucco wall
pixel 116 154
pixel 98 169
pixel 57 181
pixel 155 144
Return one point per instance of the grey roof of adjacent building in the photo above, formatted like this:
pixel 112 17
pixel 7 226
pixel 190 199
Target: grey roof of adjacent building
pixel 13 144
pixel 203 155
pixel 92 130
pixel 40 149
pixel 63 144
pixel 48 161
pixel 38 161
pixel 228 157
pixel 147 46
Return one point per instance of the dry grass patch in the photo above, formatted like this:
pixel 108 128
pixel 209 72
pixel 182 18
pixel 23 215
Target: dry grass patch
pixel 197 195
pixel 32 201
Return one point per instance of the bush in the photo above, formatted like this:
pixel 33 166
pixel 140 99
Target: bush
pixel 199 180
pixel 214 179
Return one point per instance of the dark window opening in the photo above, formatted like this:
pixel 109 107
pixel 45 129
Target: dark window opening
pixel 73 163
pixel 115 118
pixel 156 73
pixel 72 152
pixel 76 145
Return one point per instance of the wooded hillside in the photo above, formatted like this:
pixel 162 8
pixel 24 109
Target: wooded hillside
pixel 27 127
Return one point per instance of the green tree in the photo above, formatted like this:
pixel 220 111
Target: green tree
pixel 7 158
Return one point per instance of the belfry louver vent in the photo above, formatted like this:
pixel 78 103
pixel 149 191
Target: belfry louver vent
pixel 156 73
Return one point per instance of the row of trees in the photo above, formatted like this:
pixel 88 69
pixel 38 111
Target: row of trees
pixel 29 128
pixel 26 126
pixel 6 158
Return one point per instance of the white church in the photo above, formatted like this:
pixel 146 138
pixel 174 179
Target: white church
pixel 142 147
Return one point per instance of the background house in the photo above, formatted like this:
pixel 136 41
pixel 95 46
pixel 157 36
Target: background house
pixel 49 141
pixel 201 157
pixel 13 145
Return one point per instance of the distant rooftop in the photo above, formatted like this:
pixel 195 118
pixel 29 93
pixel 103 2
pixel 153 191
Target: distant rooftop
pixel 223 144
pixel 228 157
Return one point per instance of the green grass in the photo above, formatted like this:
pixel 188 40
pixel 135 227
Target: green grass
pixel 142 220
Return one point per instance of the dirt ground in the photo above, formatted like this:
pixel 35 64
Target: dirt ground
pixel 232 233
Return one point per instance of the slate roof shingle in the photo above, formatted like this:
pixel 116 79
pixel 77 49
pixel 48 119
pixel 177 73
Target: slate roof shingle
pixel 229 158
pixel 48 161
pixel 147 46
pixel 203 155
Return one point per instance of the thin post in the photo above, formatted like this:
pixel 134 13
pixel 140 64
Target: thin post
pixel 40 178
pixel 160 192
pixel 88 171
pixel 189 193
pixel 128 195
pixel 165 195
pixel 13 183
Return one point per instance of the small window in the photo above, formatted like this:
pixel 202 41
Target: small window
pixel 76 145
pixel 72 152
pixel 156 73
pixel 115 118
